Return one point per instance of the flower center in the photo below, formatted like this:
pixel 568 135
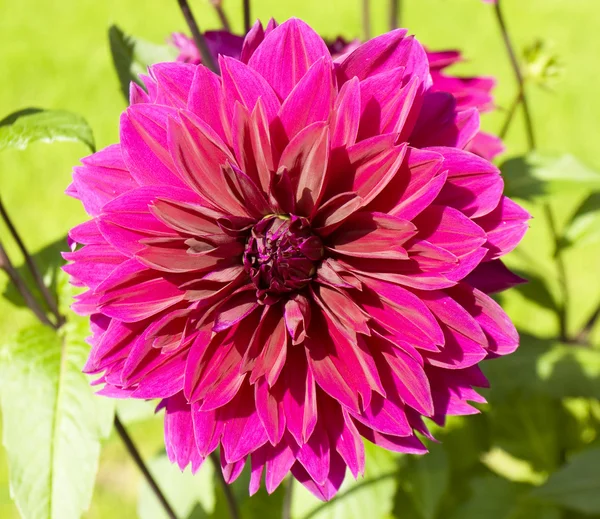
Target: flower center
pixel 281 256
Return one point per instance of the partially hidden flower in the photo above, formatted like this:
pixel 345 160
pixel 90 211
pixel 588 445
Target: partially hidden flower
pixel 294 256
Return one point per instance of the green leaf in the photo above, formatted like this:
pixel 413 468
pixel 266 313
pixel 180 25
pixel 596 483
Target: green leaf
pixel 535 176
pixel 427 479
pixel 545 367
pixel 576 485
pixel 53 422
pixel 584 226
pixel 495 498
pixel 185 492
pixel 21 128
pixel 527 427
pixel 371 496
pixel 131 57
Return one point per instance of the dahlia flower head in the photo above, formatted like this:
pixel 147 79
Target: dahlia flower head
pixel 468 92
pixel 294 256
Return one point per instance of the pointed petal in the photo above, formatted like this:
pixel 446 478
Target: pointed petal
pixel 302 47
pixel 310 101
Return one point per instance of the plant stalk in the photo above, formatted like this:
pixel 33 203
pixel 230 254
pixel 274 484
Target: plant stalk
pixel 394 21
pixel 510 50
pixel 366 19
pixel 35 272
pixel 229 497
pixel 218 5
pixel 137 458
pixel 287 498
pixel 199 40
pixel 15 278
pixel 246 16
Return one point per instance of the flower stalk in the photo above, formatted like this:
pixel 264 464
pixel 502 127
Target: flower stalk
pixel 366 19
pixel 510 50
pixel 199 40
pixel 218 5
pixel 246 15
pixel 33 268
pixel 137 458
pixel 394 21
pixel 229 497
pixel 531 141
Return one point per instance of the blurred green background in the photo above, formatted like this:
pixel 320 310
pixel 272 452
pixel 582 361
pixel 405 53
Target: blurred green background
pixel 56 55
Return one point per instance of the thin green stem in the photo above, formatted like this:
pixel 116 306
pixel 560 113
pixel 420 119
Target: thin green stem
pixel 286 512
pixel 207 58
pixel 137 458
pixel 394 21
pixel 35 272
pixel 522 99
pixel 246 15
pixel 229 497
pixel 510 114
pixel 23 289
pixel 366 19
pixel 218 5
pixel 517 72
pixel 562 274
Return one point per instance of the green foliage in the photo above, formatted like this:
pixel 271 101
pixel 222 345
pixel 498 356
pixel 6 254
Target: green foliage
pixel 190 495
pixel 535 176
pixel 584 226
pixel 52 421
pixel 576 485
pixel 21 128
pixel 371 496
pixel 131 56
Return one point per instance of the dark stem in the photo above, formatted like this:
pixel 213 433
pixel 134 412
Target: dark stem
pixel 230 498
pixel 522 98
pixel 518 76
pixel 246 15
pixel 394 14
pixel 287 498
pixel 510 116
pixel 366 19
pixel 583 337
pixel 35 272
pixel 15 278
pixel 207 59
pixel 562 274
pixel 132 449
pixel 217 4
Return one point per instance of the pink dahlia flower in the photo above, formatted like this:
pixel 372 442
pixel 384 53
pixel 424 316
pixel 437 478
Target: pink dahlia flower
pixel 290 256
pixel 469 92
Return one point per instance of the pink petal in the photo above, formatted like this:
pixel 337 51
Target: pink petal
pixel 386 52
pixel 179 434
pixel 173 81
pixel 206 99
pixel 310 101
pixel 302 47
pixel 243 84
pixel 505 227
pixel 144 144
pixel 306 159
pixel 414 187
pixel 269 407
pixel 474 185
pixel 493 276
pixel 500 332
pixel 244 431
pixel 346 115
pixel 388 105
